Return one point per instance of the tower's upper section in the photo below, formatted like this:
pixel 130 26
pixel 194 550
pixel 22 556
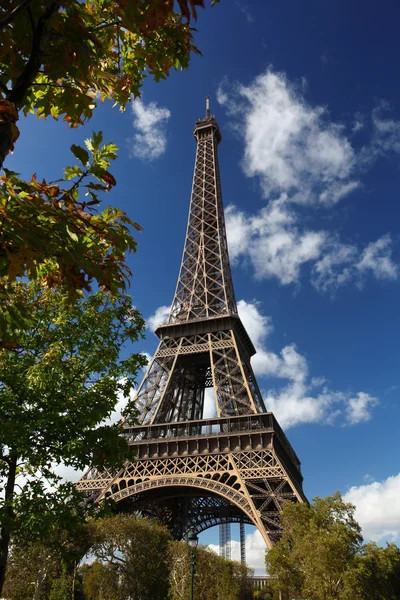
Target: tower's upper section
pixel 204 289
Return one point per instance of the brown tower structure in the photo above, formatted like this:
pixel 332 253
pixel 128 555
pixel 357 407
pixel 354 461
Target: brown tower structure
pixel 190 472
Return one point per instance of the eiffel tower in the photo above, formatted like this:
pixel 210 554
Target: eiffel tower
pixel 190 472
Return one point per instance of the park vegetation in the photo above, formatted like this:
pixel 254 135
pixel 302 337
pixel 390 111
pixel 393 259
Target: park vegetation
pixel 130 559
pixel 56 390
pixel 321 556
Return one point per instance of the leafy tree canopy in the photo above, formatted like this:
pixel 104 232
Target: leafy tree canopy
pixel 215 578
pixel 134 555
pixel 59 58
pixel 55 391
pixel 318 546
pixel 376 574
pixel 321 556
pixel 70 244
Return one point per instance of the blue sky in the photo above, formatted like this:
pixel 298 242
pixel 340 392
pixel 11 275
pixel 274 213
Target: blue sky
pixel 307 99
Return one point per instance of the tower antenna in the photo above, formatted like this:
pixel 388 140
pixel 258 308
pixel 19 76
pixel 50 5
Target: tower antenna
pixel 207 106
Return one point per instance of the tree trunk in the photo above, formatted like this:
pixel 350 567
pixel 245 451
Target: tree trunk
pixel 5 531
pixel 73 581
pixel 41 577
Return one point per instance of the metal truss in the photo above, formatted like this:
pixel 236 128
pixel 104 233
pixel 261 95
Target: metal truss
pixel 245 461
pixel 204 287
pixel 225 541
pixel 189 472
pixel 242 543
pixel 182 368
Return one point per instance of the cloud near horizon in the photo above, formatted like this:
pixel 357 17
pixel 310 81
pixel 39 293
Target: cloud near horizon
pixel 377 508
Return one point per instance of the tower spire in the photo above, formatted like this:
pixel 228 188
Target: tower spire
pixel 207 107
pixel 204 288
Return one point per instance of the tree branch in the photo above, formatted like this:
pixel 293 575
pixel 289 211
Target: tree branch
pixel 32 67
pixel 11 15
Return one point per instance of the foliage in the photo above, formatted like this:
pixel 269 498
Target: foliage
pixel 55 391
pixel 59 57
pixel 101 582
pixel 265 593
pixel 215 578
pixel 133 555
pixel 319 546
pixel 68 245
pixel 30 570
pixel 46 570
pixel 376 574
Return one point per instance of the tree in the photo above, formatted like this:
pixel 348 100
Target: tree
pixel 215 578
pixel 102 582
pixel 55 391
pixel 69 245
pixel 376 574
pixel 45 570
pixel 319 546
pixel 133 552
pixel 264 593
pixel 30 570
pixel 59 58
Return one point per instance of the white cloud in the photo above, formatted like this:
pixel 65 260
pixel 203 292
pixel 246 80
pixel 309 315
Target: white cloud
pixel 359 122
pixel 358 408
pixel 158 318
pixel 272 241
pixel 386 137
pixel 377 508
pixel 149 121
pixel 291 146
pixel 67 473
pixel 301 157
pixel 347 264
pixel 301 399
pixel 210 409
pixel 244 9
pixel 377 258
pixel 277 246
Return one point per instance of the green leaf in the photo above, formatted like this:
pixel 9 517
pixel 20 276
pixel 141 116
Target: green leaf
pixel 71 172
pixel 80 153
pixel 97 138
pixel 71 234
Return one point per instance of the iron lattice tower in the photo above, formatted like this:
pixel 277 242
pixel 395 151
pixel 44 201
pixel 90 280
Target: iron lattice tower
pixel 190 472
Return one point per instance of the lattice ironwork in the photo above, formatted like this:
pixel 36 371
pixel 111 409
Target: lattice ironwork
pixel 242 542
pixel 225 541
pixel 204 287
pixel 192 473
